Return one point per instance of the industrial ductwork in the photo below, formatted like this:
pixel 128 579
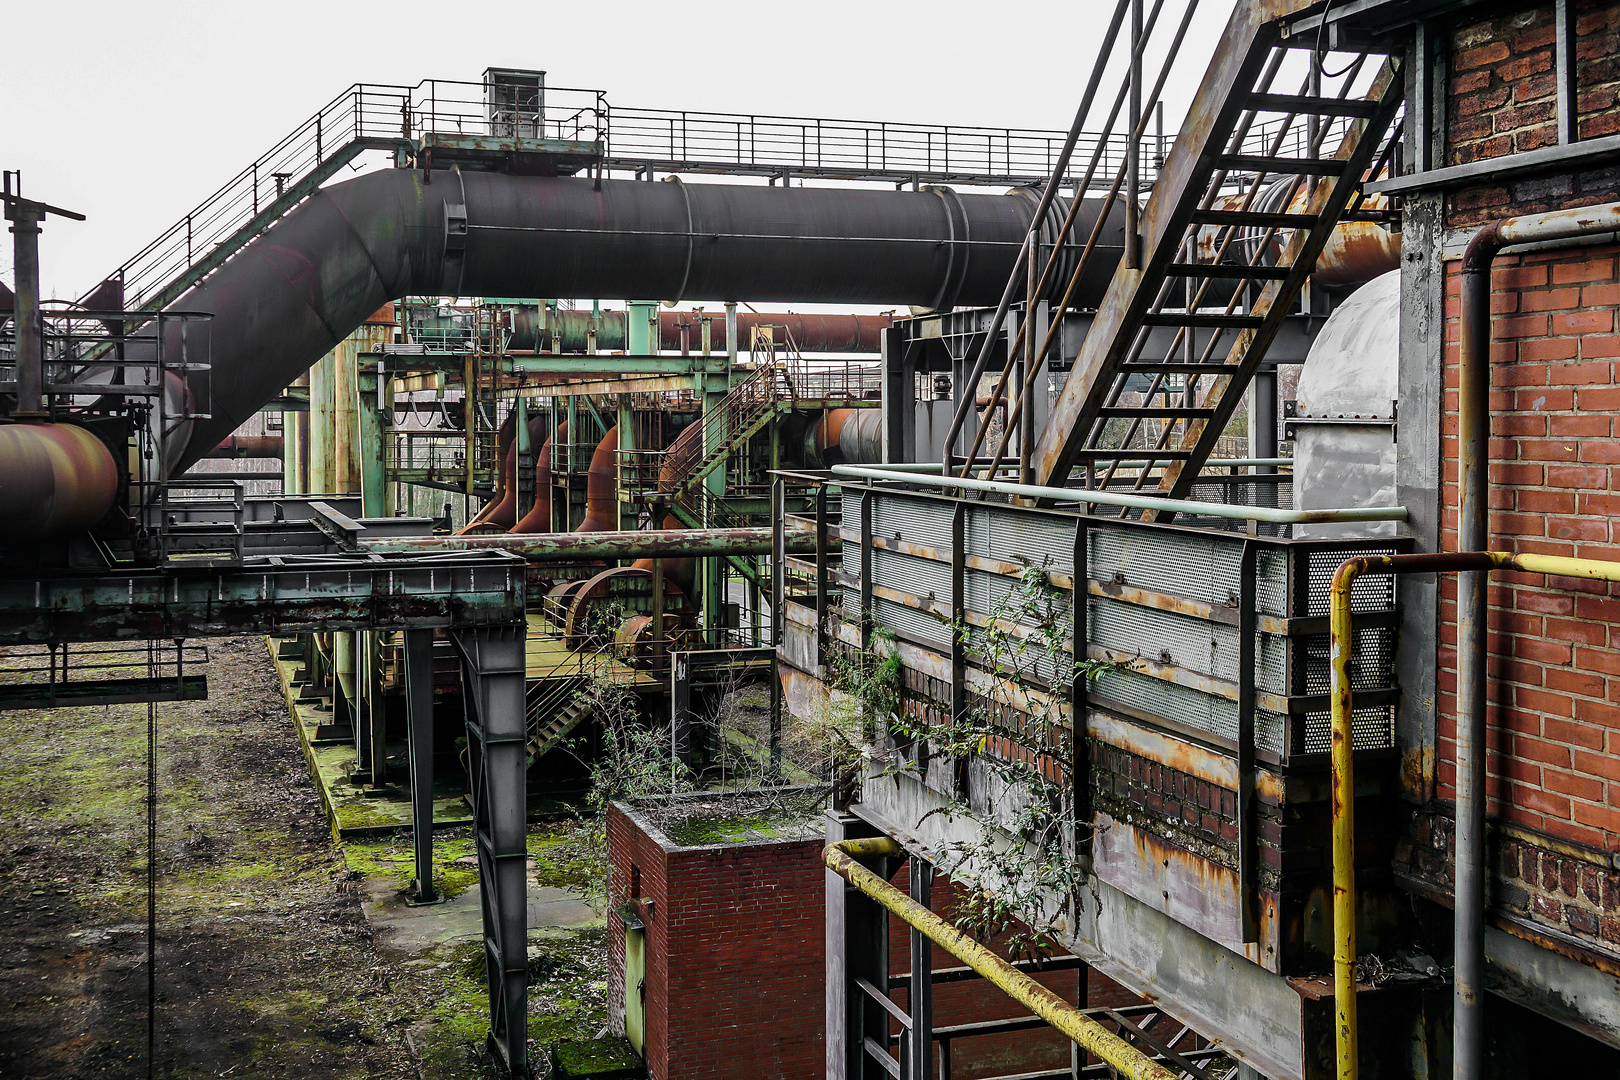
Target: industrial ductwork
pixel 299 289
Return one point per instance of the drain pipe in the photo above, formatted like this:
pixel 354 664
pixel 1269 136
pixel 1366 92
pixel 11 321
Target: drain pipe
pixel 1472 565
pixel 1089 1035
pixel 1473 534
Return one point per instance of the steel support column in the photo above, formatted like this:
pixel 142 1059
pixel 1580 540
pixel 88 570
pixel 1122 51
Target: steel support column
pixel 919 1058
pixel 857 948
pixel 493 667
pixel 419 721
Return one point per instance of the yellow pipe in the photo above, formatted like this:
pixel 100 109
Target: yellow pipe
pixel 1344 781
pixel 1082 1029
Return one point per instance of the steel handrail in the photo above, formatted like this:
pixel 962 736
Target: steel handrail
pixel 1343 750
pixel 1099 497
pixel 931 468
pixel 1072 1021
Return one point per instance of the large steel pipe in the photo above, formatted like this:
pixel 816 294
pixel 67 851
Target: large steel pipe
pixel 664 543
pixel 535 328
pixel 297 291
pixel 55 480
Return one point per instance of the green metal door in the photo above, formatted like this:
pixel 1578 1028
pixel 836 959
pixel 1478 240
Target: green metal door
pixel 635 988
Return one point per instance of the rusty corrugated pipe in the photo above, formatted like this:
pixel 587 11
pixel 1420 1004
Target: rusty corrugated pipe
pixel 602 486
pixel 55 480
pixel 1473 534
pixel 538 518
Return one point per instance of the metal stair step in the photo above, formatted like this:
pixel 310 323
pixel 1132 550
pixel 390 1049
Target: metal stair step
pixel 1174 367
pixel 1227 270
pixel 1113 411
pixel 1213 321
pixel 1283 166
pixel 1260 219
pixel 1132 455
pixel 1305 105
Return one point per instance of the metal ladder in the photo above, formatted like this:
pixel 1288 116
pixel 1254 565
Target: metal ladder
pixel 738 417
pixel 1239 202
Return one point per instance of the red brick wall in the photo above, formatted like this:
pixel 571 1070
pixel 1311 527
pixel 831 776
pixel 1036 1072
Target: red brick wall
pixel 736 955
pixel 629 846
pixel 736 965
pixel 1555 464
pixel 1503 101
pixel 1555 471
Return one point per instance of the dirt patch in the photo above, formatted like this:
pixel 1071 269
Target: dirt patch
pixel 266 964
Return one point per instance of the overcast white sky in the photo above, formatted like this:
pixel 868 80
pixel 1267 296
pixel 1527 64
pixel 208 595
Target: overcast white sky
pixel 132 112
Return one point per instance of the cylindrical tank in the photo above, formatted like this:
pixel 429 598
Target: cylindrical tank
pixel 845 437
pixel 55 480
pixel 1344 422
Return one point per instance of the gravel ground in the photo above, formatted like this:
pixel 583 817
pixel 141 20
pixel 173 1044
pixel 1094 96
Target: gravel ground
pixel 266 965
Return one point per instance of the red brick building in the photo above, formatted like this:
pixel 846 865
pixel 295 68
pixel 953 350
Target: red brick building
pixel 1554 757
pixel 733 956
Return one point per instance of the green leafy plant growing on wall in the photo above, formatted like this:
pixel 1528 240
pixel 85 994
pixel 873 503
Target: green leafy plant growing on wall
pixel 1009 753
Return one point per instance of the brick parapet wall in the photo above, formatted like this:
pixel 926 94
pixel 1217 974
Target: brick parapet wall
pixel 1539 883
pixel 735 979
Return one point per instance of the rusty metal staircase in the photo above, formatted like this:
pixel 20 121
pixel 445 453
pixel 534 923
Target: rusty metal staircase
pixel 722 431
pixel 554 708
pixel 1241 210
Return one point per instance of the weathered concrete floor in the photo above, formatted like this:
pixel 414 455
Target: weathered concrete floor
pixel 268 964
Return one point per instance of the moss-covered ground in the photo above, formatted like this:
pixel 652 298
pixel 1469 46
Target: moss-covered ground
pixel 266 963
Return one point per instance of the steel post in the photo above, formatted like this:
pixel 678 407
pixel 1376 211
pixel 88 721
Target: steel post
pixel 346 409
pixel 419 722
pixel 370 423
pixel 368 648
pixel 25 218
pixel 627 444
pixel 493 663
pixel 318 473
pixel 919 1057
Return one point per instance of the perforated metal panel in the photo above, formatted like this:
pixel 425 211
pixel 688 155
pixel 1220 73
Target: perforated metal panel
pixel 1372 727
pixel 1291 580
pixel 916 520
pixel 1014 536
pixel 1193 708
pixel 1372 662
pixel 924 578
pixel 1198 567
pixel 1164 636
pixel 909 623
pixel 1371 592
